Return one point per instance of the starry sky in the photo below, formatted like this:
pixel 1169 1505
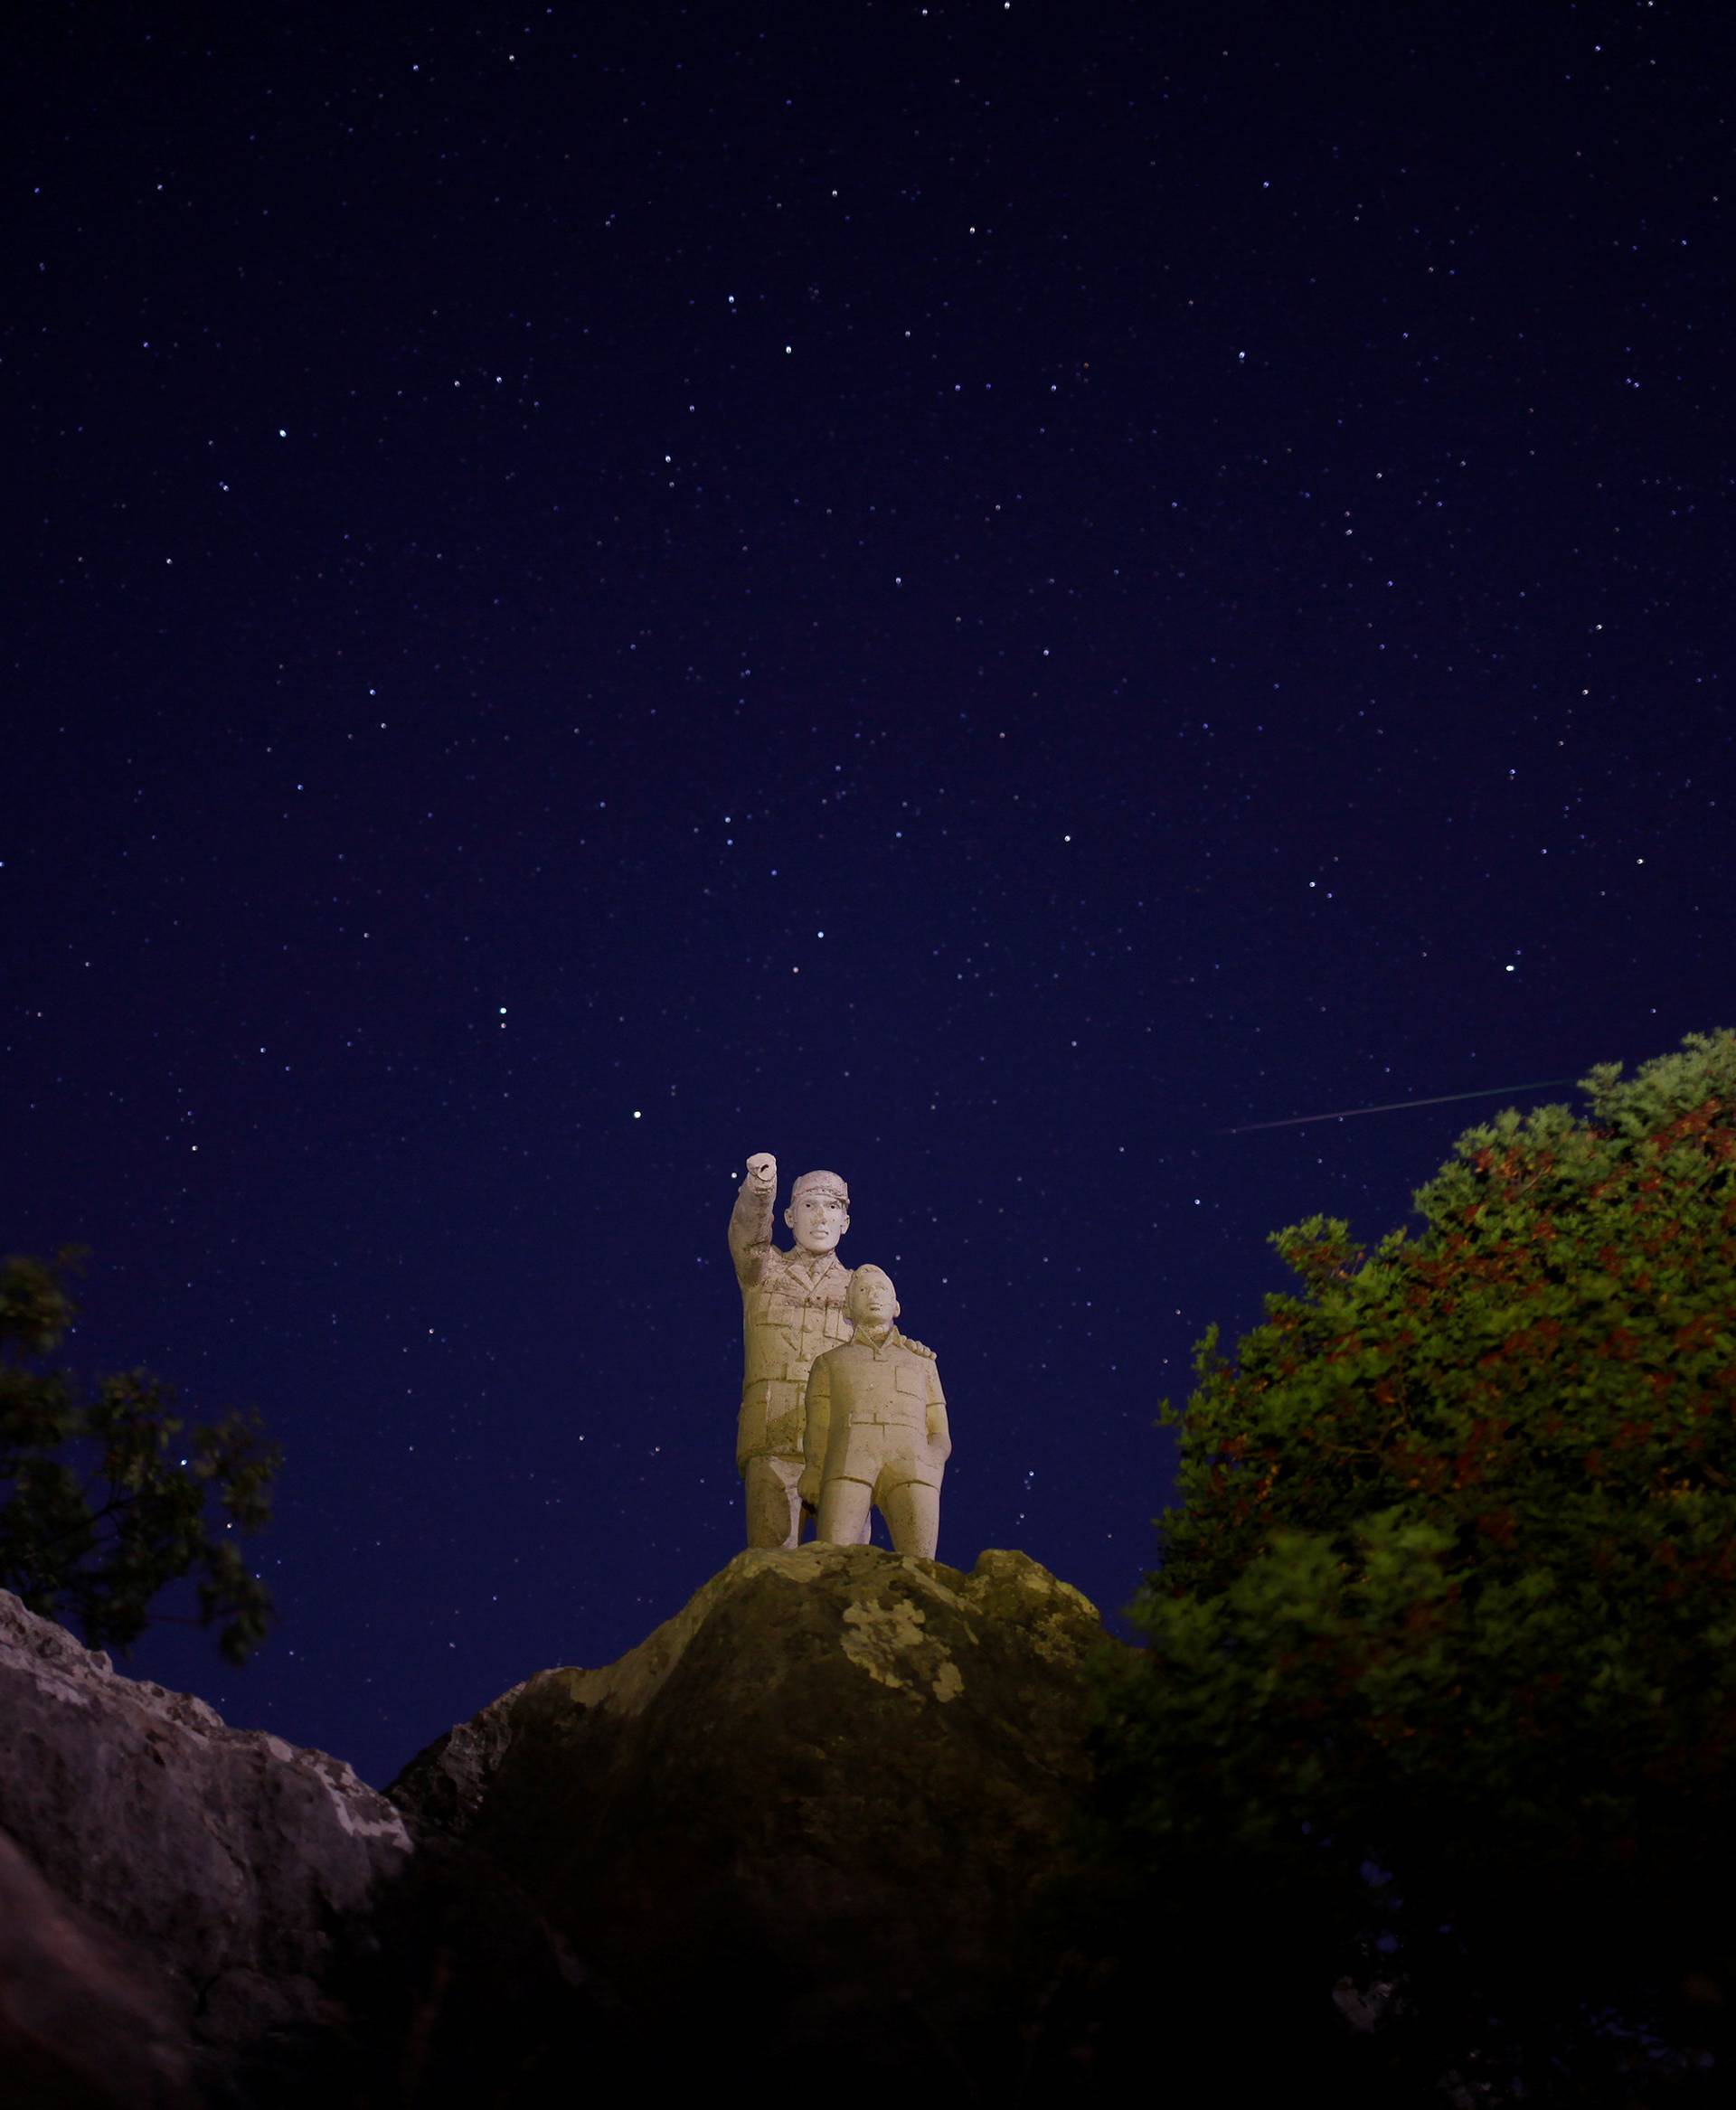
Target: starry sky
pixel 974 594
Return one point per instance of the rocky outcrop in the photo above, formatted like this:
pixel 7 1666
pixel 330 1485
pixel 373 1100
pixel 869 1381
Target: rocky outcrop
pixel 190 1912
pixel 83 2022
pixel 229 1854
pixel 809 1814
pixel 797 1836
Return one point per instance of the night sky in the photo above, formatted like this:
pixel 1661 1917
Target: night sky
pixel 972 595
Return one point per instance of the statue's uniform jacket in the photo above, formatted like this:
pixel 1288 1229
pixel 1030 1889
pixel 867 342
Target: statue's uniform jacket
pixel 792 1310
pixel 876 1414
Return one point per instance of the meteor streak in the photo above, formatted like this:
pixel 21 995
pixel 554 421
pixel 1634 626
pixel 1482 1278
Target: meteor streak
pixel 1492 1091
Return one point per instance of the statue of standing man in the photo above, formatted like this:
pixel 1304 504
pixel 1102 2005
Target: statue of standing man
pixel 792 1310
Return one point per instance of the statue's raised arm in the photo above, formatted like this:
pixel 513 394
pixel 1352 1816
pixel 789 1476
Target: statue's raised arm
pixel 750 1219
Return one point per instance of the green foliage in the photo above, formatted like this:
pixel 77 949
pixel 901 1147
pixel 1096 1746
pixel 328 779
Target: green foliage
pixel 1452 1583
pixel 106 1495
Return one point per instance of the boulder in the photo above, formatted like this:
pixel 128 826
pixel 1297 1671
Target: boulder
pixel 800 1831
pixel 84 2024
pixel 805 1822
pixel 193 1913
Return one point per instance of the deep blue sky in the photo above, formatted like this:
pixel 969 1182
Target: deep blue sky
pixel 973 594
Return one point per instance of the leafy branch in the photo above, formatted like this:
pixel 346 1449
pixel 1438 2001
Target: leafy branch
pixel 109 1494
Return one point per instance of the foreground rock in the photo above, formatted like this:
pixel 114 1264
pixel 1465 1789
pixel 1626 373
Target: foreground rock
pixel 191 1913
pixel 82 2021
pixel 806 1820
pixel 798 1832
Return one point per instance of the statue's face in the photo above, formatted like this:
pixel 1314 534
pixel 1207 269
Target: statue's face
pixel 871 1300
pixel 819 1220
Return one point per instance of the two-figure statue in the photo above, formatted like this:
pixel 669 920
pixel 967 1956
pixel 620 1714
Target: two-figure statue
pixel 839 1410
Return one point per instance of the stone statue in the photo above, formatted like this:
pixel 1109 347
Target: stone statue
pixel 792 1310
pixel 876 1427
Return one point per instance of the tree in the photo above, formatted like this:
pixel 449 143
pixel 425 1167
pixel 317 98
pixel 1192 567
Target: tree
pixel 107 1496
pixel 1443 1636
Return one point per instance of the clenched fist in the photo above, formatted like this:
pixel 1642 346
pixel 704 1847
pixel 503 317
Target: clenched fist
pixel 762 1169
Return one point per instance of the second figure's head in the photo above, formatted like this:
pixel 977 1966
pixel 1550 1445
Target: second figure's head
pixel 871 1300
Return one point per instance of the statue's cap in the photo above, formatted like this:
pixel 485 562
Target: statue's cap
pixel 820 1183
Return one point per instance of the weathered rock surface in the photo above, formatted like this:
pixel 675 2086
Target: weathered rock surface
pixel 83 2022
pixel 806 1817
pixel 230 1854
pixel 198 1913
pixel 798 1832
